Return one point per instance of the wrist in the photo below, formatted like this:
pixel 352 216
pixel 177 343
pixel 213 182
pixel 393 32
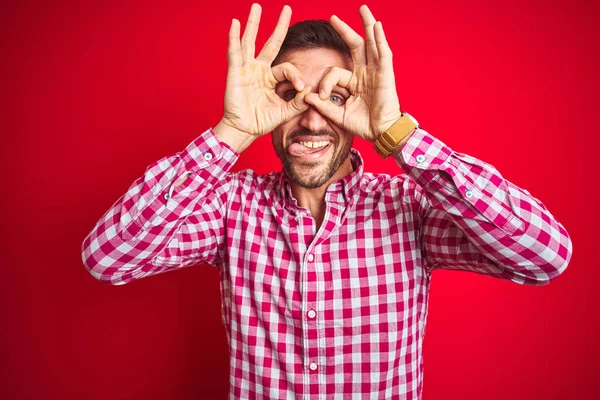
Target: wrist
pixel 387 124
pixel 400 145
pixel 391 141
pixel 233 137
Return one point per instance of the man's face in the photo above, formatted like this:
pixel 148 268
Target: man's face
pixel 310 146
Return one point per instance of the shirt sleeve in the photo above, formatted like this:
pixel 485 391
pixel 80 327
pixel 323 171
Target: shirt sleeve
pixel 475 220
pixel 146 231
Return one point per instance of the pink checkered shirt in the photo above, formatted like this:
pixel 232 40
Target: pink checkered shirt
pixel 337 313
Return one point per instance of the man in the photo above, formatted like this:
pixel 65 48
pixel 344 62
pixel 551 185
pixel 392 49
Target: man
pixel 324 268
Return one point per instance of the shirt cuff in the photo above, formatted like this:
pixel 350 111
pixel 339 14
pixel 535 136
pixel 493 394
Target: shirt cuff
pixel 424 153
pixel 207 149
pixel 458 183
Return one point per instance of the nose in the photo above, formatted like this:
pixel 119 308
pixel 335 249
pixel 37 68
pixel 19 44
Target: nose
pixel 313 120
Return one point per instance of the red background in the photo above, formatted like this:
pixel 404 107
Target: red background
pixel 93 92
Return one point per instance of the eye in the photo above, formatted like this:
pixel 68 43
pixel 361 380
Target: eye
pixel 337 99
pixel 289 95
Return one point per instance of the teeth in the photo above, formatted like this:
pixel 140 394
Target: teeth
pixel 315 145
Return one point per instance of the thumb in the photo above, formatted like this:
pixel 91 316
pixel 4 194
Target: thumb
pixel 331 111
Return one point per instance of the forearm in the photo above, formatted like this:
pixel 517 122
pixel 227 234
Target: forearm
pixel 135 238
pixel 511 228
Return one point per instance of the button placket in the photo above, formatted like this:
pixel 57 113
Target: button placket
pixel 312 349
pixel 311 313
pixel 207 155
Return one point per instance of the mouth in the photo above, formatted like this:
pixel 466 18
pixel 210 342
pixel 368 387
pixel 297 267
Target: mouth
pixel 310 148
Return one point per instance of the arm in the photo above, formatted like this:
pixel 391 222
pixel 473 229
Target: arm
pixel 475 220
pixel 146 231
pixel 174 215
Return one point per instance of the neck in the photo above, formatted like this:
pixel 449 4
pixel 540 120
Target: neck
pixel 314 199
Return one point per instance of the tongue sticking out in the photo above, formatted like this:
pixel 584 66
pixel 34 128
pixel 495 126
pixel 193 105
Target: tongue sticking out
pixel 297 149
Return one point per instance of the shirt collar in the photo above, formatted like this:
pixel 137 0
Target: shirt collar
pixel 347 186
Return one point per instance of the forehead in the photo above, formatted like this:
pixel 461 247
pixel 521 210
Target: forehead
pixel 316 61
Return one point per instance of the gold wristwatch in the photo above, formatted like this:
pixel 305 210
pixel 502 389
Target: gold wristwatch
pixel 389 140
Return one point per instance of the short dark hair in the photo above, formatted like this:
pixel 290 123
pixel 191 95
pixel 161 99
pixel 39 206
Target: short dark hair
pixel 312 34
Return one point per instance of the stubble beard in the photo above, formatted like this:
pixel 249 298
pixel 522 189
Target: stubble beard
pixel 292 167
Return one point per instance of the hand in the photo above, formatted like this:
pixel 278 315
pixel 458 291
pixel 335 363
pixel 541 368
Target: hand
pixel 373 104
pixel 251 105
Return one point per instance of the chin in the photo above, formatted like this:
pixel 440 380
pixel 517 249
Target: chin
pixel 309 176
pixel 312 174
pixel 309 183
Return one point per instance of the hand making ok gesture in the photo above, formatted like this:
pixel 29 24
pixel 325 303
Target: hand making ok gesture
pixel 373 105
pixel 252 108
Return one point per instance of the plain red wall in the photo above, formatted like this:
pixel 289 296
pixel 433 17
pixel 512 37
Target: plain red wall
pixel 93 92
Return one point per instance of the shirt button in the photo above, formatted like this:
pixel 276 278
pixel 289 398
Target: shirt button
pixel 311 257
pixel 312 314
pixel 208 156
pixel 313 366
pixel 420 158
pixel 166 196
pixel 469 194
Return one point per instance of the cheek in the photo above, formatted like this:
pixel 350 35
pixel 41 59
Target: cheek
pixel 276 136
pixel 345 138
pixel 281 132
pixel 277 140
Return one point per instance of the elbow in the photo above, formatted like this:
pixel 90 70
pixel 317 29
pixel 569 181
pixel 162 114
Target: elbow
pixel 553 262
pixel 99 265
pixel 563 254
pixel 562 258
pixel 536 275
pixel 550 272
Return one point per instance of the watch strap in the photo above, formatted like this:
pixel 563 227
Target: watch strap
pixel 389 140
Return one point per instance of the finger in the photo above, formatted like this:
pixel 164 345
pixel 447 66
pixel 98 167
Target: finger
pixel 234 50
pixel 249 38
pixel 331 111
pixel 335 76
pixel 369 22
pixel 288 72
pixel 354 40
pixel 297 105
pixel 271 48
pixel 383 48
